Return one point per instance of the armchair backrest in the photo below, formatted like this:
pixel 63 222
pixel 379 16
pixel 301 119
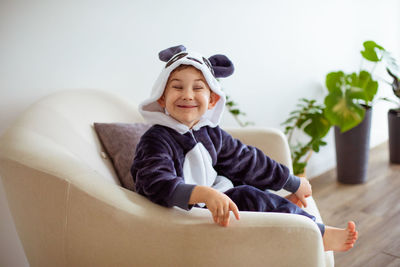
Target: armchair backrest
pixel 61 124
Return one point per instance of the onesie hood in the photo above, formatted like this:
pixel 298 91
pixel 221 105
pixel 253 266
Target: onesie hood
pixel 217 66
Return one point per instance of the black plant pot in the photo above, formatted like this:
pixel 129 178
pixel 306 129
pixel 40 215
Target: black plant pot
pixel 352 151
pixel 394 135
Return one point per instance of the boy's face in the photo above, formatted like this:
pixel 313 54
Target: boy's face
pixel 187 96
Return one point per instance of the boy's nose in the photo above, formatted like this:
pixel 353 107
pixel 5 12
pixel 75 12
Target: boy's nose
pixel 188 94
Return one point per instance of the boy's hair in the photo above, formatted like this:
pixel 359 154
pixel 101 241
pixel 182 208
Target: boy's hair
pixel 182 67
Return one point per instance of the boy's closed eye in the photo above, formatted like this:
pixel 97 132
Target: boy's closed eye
pixel 195 87
pixel 199 85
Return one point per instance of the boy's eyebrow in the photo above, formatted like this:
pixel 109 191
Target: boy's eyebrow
pixel 176 79
pixel 200 80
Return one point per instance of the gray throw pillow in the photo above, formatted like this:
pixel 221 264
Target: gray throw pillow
pixel 119 141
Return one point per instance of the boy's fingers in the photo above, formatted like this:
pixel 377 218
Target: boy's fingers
pixel 221 213
pixel 214 213
pixel 226 219
pixel 215 218
pixel 303 201
pixel 226 213
pixel 234 209
pixel 300 204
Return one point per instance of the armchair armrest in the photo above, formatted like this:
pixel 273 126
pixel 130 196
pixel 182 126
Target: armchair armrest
pixel 270 140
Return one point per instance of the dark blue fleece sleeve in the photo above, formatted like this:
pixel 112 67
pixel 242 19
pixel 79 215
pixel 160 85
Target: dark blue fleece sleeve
pixel 155 175
pixel 248 165
pixel 292 184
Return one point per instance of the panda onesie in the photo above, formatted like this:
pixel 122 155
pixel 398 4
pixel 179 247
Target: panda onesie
pixel 172 159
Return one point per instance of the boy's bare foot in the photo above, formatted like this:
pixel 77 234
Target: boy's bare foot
pixel 338 239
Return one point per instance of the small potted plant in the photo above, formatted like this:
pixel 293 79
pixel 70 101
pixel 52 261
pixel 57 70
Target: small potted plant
pixel 394 121
pixel 310 119
pixel 348 107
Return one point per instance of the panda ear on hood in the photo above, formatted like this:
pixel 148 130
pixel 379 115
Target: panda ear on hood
pixel 166 54
pixel 221 65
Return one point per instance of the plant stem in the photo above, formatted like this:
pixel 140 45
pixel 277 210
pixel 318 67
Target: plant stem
pixel 290 136
pixel 374 67
pixel 310 151
pixel 238 121
pixel 361 63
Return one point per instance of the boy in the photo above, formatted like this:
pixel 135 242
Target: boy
pixel 185 159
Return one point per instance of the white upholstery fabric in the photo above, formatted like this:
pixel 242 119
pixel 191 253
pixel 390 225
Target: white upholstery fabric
pixel 70 211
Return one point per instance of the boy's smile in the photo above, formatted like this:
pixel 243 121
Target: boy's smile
pixel 187 95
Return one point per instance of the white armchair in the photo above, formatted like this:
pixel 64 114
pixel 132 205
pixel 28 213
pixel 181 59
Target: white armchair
pixel 70 210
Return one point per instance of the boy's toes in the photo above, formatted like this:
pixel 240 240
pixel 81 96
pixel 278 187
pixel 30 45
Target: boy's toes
pixel 351 227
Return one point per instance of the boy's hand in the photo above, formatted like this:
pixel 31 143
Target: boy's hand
pixel 304 191
pixel 295 200
pixel 220 206
pixel 217 203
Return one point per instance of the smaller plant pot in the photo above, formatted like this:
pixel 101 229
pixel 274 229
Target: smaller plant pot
pixel 352 152
pixel 394 135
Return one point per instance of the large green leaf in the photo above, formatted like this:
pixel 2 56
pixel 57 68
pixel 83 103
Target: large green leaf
pixel 318 127
pixel 391 63
pixel 334 81
pixel 361 86
pixel 366 82
pixel 370 51
pixel 316 144
pixel 355 89
pixel 298 167
pixel 342 111
pixel 395 83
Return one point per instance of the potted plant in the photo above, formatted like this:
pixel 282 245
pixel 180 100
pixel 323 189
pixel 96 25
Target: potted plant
pixel 310 119
pixel 348 107
pixel 394 121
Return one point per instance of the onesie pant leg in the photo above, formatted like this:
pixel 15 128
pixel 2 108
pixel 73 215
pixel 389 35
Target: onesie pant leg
pixel 249 198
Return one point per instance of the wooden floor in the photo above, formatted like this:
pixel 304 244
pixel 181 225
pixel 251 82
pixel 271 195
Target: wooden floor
pixel 374 206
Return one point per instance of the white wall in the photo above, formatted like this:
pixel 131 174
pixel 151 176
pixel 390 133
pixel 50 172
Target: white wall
pixel 282 52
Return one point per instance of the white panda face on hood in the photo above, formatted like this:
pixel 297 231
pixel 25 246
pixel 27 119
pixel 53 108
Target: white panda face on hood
pixel 216 66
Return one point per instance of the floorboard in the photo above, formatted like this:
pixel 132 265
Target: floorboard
pixel 374 206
